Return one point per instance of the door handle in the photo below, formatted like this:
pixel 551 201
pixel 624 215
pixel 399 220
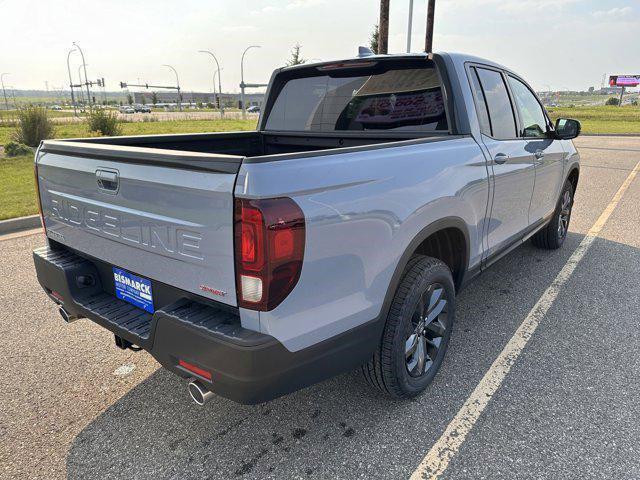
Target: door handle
pixel 501 158
pixel 539 154
pixel 107 180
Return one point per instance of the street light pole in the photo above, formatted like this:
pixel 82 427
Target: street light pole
pixel 242 84
pixel 6 102
pixel 177 85
pixel 73 99
pixel 214 81
pixel 410 26
pixel 80 82
pixel 215 95
pixel 85 73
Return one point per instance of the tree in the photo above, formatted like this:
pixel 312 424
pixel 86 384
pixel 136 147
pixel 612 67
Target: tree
pixel 129 99
pixel 612 101
pixel 143 100
pixel 296 59
pixel 154 98
pixel 373 39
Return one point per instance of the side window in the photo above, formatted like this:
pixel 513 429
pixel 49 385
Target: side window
pixel 503 122
pixel 534 121
pixel 481 104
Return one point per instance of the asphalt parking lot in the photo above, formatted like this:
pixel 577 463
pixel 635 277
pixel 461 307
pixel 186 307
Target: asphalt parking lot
pixel 75 406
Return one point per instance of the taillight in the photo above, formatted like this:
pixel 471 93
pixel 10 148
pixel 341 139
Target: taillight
pixel 269 248
pixel 38 199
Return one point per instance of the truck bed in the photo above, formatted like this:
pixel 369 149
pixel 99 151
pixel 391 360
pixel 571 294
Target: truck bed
pixel 219 152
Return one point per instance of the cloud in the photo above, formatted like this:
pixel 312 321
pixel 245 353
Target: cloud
pixel 516 6
pixel 267 9
pixel 304 4
pixel 616 12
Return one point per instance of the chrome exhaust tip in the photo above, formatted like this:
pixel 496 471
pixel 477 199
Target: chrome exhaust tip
pixel 199 393
pixel 66 316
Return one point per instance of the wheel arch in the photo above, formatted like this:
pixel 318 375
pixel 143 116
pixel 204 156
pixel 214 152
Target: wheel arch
pixel 574 176
pixel 439 240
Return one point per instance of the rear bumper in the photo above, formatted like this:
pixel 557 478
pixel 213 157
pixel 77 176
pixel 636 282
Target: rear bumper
pixel 246 366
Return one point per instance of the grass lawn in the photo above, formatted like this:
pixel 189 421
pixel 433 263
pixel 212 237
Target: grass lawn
pixel 72 130
pixel 602 119
pixel 17 187
pixel 17 194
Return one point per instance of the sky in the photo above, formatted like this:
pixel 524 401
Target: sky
pixel 554 44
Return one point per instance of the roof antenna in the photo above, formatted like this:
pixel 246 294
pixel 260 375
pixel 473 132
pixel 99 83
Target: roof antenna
pixel 364 52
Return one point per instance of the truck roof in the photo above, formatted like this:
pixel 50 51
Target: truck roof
pixel 456 57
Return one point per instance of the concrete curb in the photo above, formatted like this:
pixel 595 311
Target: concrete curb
pixel 21 223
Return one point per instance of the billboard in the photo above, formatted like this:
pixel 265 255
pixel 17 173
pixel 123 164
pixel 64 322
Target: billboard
pixel 624 80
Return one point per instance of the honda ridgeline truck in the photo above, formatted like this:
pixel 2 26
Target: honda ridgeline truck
pixel 334 236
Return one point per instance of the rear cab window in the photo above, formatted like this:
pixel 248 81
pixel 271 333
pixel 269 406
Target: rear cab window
pixel 380 96
pixel 496 102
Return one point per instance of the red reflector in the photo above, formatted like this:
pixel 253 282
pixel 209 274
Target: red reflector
pixel 193 369
pixel 57 295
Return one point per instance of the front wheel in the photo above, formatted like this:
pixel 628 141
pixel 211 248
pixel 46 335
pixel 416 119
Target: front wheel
pixel 417 331
pixel 554 234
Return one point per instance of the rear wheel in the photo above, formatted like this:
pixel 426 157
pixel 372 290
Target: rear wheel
pixel 554 234
pixel 417 331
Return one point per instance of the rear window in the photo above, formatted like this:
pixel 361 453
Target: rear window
pixel 397 99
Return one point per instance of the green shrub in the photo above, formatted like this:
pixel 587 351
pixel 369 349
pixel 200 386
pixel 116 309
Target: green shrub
pixel 15 149
pixel 612 101
pixel 34 126
pixel 104 122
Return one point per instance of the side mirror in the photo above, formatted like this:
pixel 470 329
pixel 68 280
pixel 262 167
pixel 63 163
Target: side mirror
pixel 567 128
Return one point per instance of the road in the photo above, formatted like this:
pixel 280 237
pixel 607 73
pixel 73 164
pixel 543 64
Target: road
pixel 75 406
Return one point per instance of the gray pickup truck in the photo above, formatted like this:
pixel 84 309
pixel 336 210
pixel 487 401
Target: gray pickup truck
pixel 334 236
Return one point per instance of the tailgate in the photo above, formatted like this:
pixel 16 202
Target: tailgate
pixel 158 214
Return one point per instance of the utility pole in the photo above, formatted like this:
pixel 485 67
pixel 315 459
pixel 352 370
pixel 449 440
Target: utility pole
pixel 431 10
pixel 177 85
pixel 383 28
pixel 242 84
pixel 4 92
pixel 214 81
pixel 410 26
pixel 85 73
pixel 73 100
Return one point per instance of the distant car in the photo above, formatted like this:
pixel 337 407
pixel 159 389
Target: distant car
pixel 127 109
pixel 56 107
pixel 142 109
pixel 253 109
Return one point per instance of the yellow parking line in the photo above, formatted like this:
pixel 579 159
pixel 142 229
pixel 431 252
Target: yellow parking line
pixel 441 453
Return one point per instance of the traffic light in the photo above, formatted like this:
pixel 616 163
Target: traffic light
pixel 123 85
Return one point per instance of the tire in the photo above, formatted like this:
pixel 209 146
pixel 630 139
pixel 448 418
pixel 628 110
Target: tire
pixel 554 234
pixel 395 367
